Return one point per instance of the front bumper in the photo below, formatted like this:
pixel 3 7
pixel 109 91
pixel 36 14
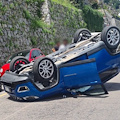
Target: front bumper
pixel 13 83
pixel 16 85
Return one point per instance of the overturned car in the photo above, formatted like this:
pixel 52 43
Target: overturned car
pixel 82 67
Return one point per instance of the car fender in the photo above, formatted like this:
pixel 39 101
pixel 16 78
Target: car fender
pixel 4 68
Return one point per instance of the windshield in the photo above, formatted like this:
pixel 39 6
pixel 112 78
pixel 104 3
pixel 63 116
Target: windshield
pixel 22 53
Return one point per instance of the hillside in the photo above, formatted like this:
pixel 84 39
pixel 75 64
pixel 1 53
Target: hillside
pixel 37 23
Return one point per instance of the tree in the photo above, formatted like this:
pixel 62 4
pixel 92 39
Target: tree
pixel 78 3
pixel 107 1
pixel 95 6
pixel 114 3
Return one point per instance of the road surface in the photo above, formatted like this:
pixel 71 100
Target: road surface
pixel 106 107
pixel 110 18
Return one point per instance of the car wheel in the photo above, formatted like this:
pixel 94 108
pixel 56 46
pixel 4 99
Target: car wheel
pixel 16 63
pixel 44 70
pixel 0 87
pixel 81 34
pixel 111 36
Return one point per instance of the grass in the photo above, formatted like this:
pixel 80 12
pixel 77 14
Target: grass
pixel 11 5
pixel 36 23
pixel 65 3
pixel 27 14
pixel 1 32
pixel 34 40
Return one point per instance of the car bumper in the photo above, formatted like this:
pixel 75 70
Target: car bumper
pixel 18 85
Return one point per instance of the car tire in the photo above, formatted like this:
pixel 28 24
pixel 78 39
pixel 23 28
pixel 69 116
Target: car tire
pixel 0 87
pixel 81 34
pixel 44 70
pixel 20 59
pixel 111 37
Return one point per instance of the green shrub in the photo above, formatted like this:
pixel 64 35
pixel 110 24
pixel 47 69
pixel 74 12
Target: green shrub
pixel 1 32
pixel 51 43
pixel 26 14
pixel 65 3
pixel 29 1
pixel 93 18
pixel 33 1
pixel 37 23
pixel 11 5
pixel 3 8
pixel 34 40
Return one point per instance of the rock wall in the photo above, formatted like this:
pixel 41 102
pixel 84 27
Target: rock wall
pixel 66 21
pixel 21 25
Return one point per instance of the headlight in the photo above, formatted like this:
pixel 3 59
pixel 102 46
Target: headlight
pixel 7 89
pixel 1 70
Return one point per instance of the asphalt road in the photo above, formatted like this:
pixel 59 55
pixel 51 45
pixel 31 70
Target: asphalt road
pixel 110 18
pixel 105 107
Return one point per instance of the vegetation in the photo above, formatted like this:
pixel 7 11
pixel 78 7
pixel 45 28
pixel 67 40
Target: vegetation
pixel 33 40
pixel 36 22
pixel 26 14
pixel 80 3
pixel 11 5
pixel 33 1
pixel 72 16
pixel 93 18
pixel 3 8
pixel 114 3
pixel 65 3
pixel 1 32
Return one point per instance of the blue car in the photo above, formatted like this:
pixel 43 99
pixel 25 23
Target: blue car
pixel 81 68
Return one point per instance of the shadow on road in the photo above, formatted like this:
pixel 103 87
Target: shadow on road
pixel 58 97
pixel 112 86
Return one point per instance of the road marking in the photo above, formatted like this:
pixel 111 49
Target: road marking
pixel 3 94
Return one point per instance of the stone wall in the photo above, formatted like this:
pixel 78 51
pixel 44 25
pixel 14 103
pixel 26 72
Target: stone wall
pixel 21 25
pixel 66 21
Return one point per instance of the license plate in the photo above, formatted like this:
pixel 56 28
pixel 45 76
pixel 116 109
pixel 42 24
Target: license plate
pixel 7 89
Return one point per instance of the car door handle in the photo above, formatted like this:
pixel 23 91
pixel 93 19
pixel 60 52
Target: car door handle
pixel 70 75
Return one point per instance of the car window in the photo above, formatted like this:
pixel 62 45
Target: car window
pixel 93 90
pixel 27 56
pixel 36 53
pixel 39 52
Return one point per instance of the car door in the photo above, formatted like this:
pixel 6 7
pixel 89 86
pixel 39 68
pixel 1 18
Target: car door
pixel 83 76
